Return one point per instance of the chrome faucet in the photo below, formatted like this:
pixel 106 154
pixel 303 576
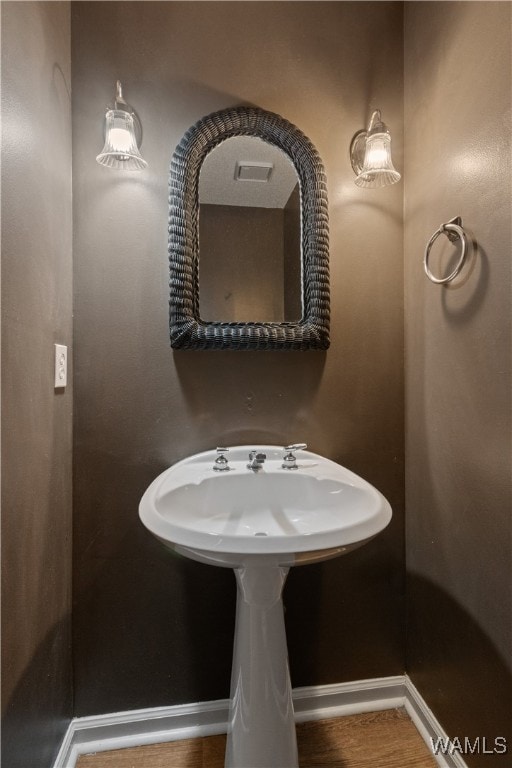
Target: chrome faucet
pixel 256 460
pixel 221 463
pixel 289 459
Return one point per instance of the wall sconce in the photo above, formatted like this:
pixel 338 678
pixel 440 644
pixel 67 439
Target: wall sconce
pixel 123 134
pixel 370 155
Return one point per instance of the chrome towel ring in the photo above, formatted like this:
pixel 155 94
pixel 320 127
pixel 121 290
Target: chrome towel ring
pixel 453 231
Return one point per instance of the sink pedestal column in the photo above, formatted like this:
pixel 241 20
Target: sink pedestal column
pixel 261 732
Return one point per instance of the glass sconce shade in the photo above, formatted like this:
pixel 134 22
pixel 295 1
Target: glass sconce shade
pixel 122 136
pixel 120 151
pixel 370 154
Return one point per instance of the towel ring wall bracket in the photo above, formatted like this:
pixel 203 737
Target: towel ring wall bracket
pixel 453 231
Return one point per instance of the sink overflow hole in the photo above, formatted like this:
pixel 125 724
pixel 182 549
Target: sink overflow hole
pixel 262 533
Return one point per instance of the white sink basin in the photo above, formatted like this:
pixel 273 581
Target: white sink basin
pixel 297 516
pixel 259 523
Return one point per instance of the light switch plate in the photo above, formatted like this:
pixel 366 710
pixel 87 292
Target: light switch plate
pixel 61 366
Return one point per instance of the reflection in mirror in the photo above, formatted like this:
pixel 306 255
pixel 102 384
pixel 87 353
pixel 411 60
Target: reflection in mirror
pixel 249 234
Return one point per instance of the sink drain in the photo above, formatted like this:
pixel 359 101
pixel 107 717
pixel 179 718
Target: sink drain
pixel 261 533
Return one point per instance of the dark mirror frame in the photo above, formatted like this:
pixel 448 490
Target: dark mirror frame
pixel 187 329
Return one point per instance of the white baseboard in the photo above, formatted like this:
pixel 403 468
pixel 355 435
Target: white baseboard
pixel 100 733
pixel 428 725
pixel 323 701
pixel 185 721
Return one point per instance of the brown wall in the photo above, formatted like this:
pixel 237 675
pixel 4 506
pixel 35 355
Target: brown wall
pixel 150 628
pixel 458 374
pixel 36 421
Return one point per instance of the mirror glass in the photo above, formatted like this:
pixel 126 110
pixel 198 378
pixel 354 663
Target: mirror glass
pixel 250 261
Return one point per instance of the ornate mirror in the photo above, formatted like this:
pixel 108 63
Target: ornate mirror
pixel 248 236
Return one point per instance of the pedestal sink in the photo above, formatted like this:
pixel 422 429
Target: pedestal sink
pixel 260 520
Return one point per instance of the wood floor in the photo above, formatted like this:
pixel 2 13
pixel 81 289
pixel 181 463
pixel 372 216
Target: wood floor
pixel 376 740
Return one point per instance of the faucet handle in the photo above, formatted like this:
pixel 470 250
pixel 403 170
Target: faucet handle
pixel 289 459
pixel 221 462
pixel 296 447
